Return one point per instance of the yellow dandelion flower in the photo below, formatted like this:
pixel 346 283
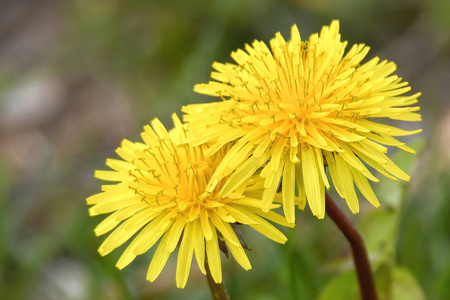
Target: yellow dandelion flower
pixel 161 196
pixel 305 105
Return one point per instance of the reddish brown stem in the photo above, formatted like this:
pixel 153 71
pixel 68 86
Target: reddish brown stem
pixel 218 290
pixel 360 257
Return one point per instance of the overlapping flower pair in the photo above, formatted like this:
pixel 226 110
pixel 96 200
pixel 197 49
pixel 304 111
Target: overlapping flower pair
pixel 288 113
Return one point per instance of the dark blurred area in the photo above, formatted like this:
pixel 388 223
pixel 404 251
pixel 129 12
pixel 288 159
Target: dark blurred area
pixel 76 77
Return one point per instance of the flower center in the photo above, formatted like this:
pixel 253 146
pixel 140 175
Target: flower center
pixel 192 196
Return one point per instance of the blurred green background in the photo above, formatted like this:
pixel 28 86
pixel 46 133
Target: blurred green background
pixel 76 77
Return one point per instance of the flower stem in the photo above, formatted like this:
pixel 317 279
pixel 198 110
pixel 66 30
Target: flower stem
pixel 360 257
pixel 218 290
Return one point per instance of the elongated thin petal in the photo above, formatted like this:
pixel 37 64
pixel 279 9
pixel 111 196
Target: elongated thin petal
pixel 270 231
pixel 174 233
pixel 270 191
pixel 185 256
pixel 199 245
pixel 300 186
pixel 346 178
pixel 288 191
pixel 365 188
pixel 243 172
pixel 311 181
pixel 213 255
pixel 159 260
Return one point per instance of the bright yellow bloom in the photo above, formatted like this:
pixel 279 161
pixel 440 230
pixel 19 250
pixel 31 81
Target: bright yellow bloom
pixel 298 107
pixel 161 195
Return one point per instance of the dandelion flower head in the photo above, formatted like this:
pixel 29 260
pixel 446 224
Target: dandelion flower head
pixel 299 106
pixel 161 195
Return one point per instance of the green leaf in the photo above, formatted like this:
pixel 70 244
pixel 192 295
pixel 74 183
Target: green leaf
pixel 383 281
pixel 392 284
pixel 378 230
pixel 397 283
pixel 405 286
pixel 341 287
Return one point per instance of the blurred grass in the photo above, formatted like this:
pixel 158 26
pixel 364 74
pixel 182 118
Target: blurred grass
pixel 117 65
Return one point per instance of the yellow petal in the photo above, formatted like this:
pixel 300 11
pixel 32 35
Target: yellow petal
pixel 277 153
pixel 125 231
pixel 112 176
pixel 321 166
pixel 174 233
pixel 114 219
pixel 269 231
pixel 159 260
pixel 206 226
pixel 240 214
pixel 213 257
pixel 242 173
pixel 301 203
pixel 185 256
pixel 288 191
pixel 311 181
pixel 222 227
pixel 364 187
pixel 110 206
pixel 346 178
pixel 237 251
pixel 199 245
pixel 334 173
pixel 270 191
